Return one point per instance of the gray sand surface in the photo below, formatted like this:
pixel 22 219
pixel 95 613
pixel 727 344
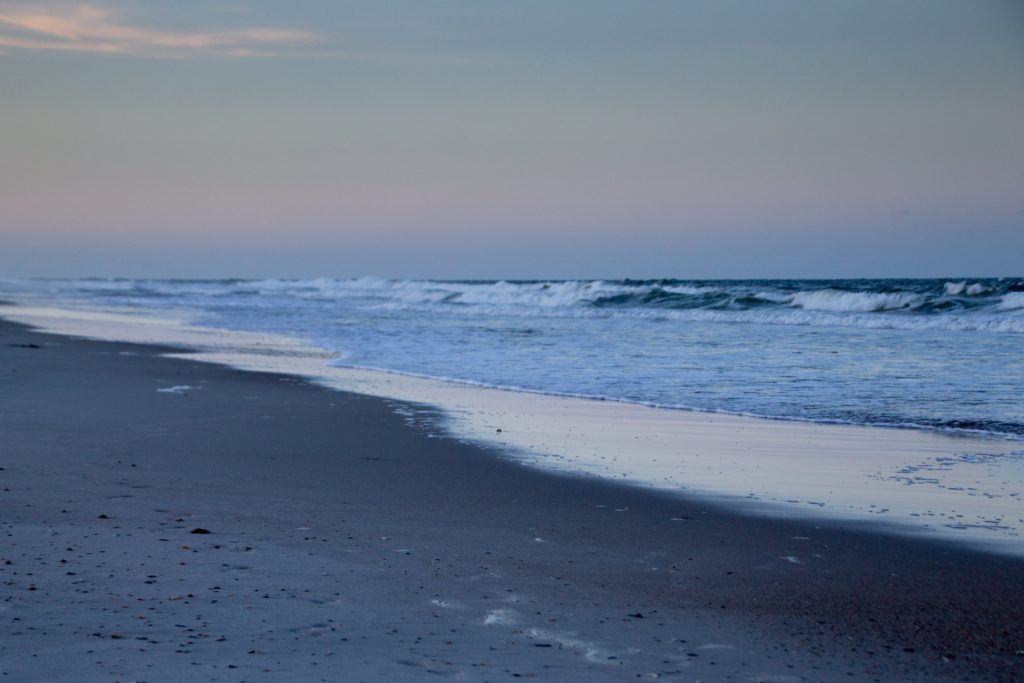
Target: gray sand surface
pixel 348 542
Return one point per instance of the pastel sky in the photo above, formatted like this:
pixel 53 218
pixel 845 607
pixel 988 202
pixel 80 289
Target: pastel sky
pixel 497 139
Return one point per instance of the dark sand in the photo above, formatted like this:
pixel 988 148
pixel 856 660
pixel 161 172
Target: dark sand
pixel 347 544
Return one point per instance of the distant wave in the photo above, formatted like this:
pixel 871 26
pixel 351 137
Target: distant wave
pixel 958 288
pixel 955 305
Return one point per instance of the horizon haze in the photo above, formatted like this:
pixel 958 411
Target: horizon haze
pixel 534 140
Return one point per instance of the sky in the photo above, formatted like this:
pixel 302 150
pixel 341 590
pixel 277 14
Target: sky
pixel 527 139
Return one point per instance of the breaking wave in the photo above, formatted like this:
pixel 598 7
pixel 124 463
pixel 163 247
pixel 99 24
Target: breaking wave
pixel 957 305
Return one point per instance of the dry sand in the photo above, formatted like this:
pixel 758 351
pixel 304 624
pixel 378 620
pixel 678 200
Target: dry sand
pixel 346 544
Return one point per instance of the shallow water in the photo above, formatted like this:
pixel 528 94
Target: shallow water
pixel 939 354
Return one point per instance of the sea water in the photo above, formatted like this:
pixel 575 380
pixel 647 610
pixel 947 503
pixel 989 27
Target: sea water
pixel 886 401
pixel 944 354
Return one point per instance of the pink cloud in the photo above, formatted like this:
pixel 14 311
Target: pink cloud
pixel 87 28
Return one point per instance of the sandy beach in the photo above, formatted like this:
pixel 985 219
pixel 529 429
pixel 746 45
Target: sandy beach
pixel 165 519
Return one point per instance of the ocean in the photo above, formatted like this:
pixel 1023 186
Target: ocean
pixel 940 354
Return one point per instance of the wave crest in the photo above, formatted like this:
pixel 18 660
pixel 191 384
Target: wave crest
pixel 1011 301
pixel 837 301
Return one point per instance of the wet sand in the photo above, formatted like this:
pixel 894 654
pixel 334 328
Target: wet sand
pixel 349 541
pixel 966 488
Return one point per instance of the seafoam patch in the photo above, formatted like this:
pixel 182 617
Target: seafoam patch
pixel 592 652
pixel 447 604
pixel 501 617
pixel 177 389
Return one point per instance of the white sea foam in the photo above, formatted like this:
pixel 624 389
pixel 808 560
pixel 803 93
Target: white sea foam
pixel 690 290
pixel 590 650
pixel 532 295
pixel 501 617
pixel 774 297
pixel 177 389
pixel 1012 301
pixel 852 302
pixel 545 295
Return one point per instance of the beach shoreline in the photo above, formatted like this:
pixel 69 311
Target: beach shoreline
pixel 346 542
pixel 961 487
